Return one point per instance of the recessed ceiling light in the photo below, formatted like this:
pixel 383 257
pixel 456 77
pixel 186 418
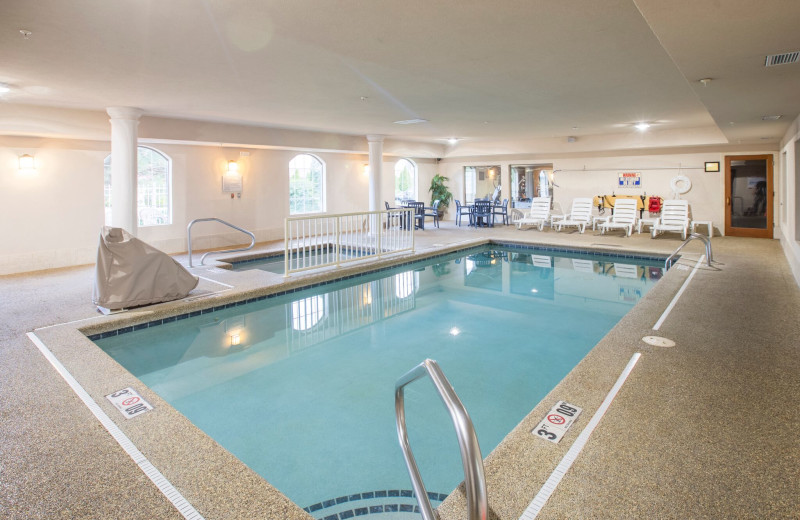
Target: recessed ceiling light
pixel 25 33
pixel 4 87
pixel 642 126
pixel 705 81
pixel 410 121
pixel 455 331
pixel 453 140
pixel 770 118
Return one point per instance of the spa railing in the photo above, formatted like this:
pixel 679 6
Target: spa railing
pixel 474 480
pixel 324 240
pixel 237 228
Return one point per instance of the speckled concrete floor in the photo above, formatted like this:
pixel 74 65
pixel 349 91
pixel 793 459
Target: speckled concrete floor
pixel 706 429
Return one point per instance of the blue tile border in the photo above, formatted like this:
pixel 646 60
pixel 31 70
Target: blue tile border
pixel 467 250
pixel 371 509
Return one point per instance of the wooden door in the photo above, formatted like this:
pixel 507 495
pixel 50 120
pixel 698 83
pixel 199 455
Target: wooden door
pixel 748 196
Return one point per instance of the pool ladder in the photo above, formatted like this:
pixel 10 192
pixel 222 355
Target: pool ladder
pixel 237 228
pixel 692 236
pixel 474 480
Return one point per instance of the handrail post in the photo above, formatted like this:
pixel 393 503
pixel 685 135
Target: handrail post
pixel 474 479
pixel 338 243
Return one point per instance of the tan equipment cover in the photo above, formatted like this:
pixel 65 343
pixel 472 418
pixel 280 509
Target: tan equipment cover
pixel 130 273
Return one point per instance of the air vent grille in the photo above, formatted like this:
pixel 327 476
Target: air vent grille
pixel 782 59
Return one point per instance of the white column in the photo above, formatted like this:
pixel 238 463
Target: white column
pixel 124 167
pixel 375 171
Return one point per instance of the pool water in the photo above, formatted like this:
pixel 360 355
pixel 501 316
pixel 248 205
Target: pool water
pixel 300 387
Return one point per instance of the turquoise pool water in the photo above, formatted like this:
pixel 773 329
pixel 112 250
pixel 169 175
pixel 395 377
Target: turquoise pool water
pixel 300 387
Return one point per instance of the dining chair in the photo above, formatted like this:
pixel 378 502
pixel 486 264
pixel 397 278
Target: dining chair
pixel 482 213
pixel 462 210
pixel 419 214
pixel 502 210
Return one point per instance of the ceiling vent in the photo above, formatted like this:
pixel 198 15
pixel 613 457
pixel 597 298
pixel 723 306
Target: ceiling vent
pixel 782 59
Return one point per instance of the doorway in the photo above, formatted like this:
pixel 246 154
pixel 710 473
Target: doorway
pixel 748 196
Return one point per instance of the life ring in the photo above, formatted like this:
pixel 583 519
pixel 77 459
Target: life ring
pixel 680 184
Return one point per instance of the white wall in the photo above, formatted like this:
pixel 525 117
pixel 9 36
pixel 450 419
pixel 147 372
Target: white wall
pixel 789 197
pixel 53 218
pixel 589 176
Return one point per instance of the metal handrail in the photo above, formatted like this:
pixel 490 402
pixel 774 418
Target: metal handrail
pixel 474 480
pixel 237 228
pixel 692 236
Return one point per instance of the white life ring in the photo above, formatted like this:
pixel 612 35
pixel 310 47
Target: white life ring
pixel 680 184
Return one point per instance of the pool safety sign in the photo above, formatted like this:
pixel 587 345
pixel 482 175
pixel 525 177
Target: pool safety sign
pixel 129 402
pixel 630 180
pixel 557 421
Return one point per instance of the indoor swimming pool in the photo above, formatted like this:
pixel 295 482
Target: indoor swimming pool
pixel 300 386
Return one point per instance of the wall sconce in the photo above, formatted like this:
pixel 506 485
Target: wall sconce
pixel 232 180
pixel 235 339
pixel 27 165
pixel 366 170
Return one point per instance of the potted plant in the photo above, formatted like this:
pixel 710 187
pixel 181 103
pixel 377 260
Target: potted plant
pixel 440 192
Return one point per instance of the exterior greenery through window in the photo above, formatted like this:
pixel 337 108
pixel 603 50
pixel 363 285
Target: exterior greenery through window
pixel 306 185
pixel 154 201
pixel 405 181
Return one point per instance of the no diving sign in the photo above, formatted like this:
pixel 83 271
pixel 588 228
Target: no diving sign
pixel 129 402
pixel 557 421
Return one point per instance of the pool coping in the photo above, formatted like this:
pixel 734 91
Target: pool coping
pixel 101 375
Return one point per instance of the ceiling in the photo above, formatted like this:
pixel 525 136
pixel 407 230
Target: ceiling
pixel 506 76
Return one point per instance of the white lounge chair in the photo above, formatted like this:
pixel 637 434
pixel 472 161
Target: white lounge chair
pixel 674 217
pixel 579 216
pixel 624 217
pixel 538 215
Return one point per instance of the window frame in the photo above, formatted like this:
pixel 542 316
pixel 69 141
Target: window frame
pixel 414 188
pixel 107 191
pixel 321 187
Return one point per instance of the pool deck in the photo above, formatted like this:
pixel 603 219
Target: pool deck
pixel 705 429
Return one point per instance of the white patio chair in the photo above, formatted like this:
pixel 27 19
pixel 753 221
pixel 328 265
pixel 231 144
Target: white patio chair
pixel 538 215
pixel 624 217
pixel 580 215
pixel 674 217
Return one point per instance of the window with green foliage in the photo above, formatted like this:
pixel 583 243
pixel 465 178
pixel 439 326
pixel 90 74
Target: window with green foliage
pixel 405 181
pixel 306 185
pixel 154 188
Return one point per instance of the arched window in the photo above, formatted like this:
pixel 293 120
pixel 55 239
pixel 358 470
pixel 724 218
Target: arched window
pixel 154 188
pixel 306 185
pixel 405 181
